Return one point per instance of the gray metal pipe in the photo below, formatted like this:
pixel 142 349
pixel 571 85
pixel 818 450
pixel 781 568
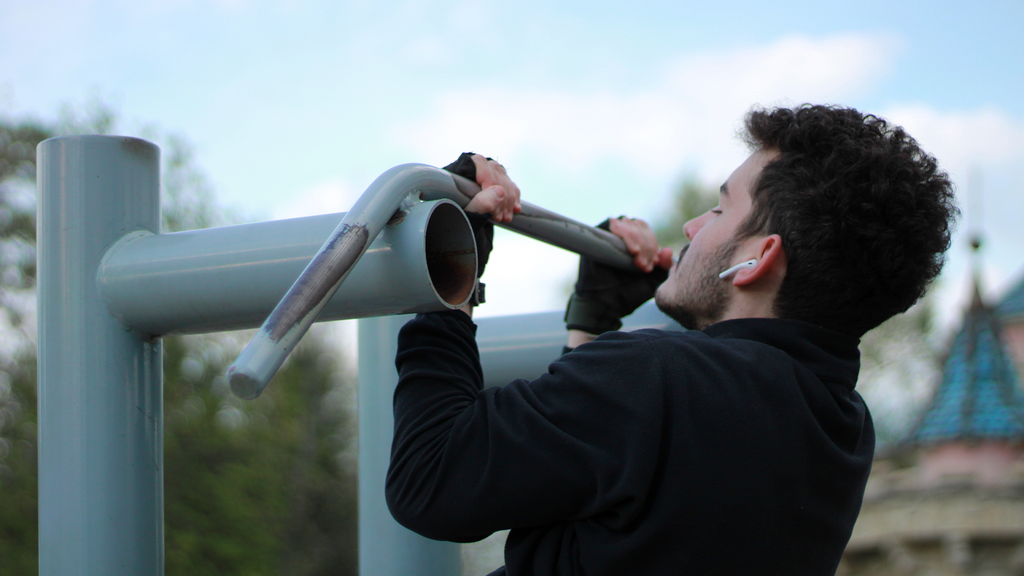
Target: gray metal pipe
pixel 332 264
pixel 100 386
pixel 387 548
pixel 292 317
pixel 511 347
pixel 523 345
pixel 231 277
pixel 551 228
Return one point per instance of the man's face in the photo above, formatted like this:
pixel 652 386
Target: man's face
pixel 694 295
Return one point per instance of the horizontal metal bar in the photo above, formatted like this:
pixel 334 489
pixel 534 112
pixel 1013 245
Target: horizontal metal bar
pixel 232 277
pixel 549 227
pixel 523 345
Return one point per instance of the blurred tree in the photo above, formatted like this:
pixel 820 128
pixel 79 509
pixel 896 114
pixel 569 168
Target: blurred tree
pixel 900 366
pixel 263 487
pixel 18 518
pixel 691 200
pixel 260 487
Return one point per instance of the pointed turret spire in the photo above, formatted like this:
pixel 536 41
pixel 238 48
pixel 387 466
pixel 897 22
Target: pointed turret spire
pixel 979 397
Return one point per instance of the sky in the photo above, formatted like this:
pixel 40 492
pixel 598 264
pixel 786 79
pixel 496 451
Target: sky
pixel 595 108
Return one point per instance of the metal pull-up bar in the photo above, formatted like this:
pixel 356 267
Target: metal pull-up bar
pixel 401 185
pixel 110 284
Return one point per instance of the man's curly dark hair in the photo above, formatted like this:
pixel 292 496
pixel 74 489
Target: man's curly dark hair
pixel 864 214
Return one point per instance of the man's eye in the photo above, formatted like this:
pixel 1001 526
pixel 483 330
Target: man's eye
pixel 716 210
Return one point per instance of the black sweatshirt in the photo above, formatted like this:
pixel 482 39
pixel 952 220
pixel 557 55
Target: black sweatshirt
pixel 742 449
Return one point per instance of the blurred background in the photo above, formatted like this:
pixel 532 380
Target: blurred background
pixel 277 109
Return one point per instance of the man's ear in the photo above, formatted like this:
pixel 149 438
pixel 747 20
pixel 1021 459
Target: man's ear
pixel 771 262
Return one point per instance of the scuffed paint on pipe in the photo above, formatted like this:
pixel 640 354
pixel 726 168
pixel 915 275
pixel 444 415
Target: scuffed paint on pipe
pixel 263 356
pixel 337 257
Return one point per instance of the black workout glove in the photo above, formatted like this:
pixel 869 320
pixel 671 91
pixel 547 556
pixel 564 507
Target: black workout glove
pixel 483 228
pixel 604 295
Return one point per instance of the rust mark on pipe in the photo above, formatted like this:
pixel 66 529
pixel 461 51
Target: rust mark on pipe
pixel 139 147
pixel 397 218
pixel 328 266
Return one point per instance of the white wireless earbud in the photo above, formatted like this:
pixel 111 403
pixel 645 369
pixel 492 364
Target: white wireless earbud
pixel 748 264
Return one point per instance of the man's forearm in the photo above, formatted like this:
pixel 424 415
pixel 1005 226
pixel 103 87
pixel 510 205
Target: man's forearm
pixel 577 337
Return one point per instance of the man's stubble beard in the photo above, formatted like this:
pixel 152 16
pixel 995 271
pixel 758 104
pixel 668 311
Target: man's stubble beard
pixel 704 303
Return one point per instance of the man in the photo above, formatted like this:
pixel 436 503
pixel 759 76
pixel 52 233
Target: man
pixel 738 447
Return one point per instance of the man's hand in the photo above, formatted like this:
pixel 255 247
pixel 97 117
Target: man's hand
pixel 641 243
pixel 497 201
pixel 499 196
pixel 604 295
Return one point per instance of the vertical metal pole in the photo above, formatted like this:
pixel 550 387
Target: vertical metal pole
pixel 100 386
pixel 385 547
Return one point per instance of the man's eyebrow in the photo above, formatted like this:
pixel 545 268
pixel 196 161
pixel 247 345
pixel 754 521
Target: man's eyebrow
pixel 724 190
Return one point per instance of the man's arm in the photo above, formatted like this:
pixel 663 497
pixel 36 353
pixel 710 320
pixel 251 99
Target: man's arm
pixel 498 197
pixel 466 462
pixel 579 441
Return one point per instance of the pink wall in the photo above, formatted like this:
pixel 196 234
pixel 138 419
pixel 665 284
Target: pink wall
pixel 1013 334
pixel 985 463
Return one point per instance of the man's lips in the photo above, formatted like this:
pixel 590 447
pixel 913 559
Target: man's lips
pixel 681 252
pixel 678 260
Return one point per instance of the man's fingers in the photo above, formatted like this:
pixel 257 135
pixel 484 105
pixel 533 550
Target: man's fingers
pixel 488 201
pixel 665 258
pixel 481 165
pixel 490 173
pixel 640 241
pixel 511 199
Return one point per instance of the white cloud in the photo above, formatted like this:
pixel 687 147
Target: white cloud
pixel 981 150
pixel 688 117
pixel 691 114
pixel 796 67
pixel 963 139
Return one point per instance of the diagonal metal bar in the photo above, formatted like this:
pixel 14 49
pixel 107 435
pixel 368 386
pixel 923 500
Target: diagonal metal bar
pixel 263 356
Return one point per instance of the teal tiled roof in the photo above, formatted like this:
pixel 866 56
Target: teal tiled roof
pixel 979 397
pixel 1011 307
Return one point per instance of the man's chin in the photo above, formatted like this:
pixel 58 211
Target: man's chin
pixel 673 310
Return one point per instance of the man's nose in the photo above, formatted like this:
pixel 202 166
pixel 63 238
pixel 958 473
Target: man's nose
pixel 691 228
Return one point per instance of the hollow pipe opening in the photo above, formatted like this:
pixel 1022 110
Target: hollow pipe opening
pixel 451 254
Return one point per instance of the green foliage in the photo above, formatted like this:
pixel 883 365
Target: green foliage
pixel 18 149
pixel 692 200
pixel 18 485
pixel 262 487
pixel 18 492
pixel 94 117
pixel 17 232
pixel 257 487
pixel 899 366
pixel 186 196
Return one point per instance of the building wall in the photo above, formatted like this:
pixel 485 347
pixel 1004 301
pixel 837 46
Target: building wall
pixel 1013 336
pixel 958 528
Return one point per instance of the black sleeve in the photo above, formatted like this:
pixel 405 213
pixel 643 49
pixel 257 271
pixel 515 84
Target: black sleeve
pixel 581 441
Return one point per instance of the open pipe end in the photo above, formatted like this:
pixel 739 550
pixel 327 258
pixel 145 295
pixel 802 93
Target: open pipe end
pixel 451 254
pixel 245 386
